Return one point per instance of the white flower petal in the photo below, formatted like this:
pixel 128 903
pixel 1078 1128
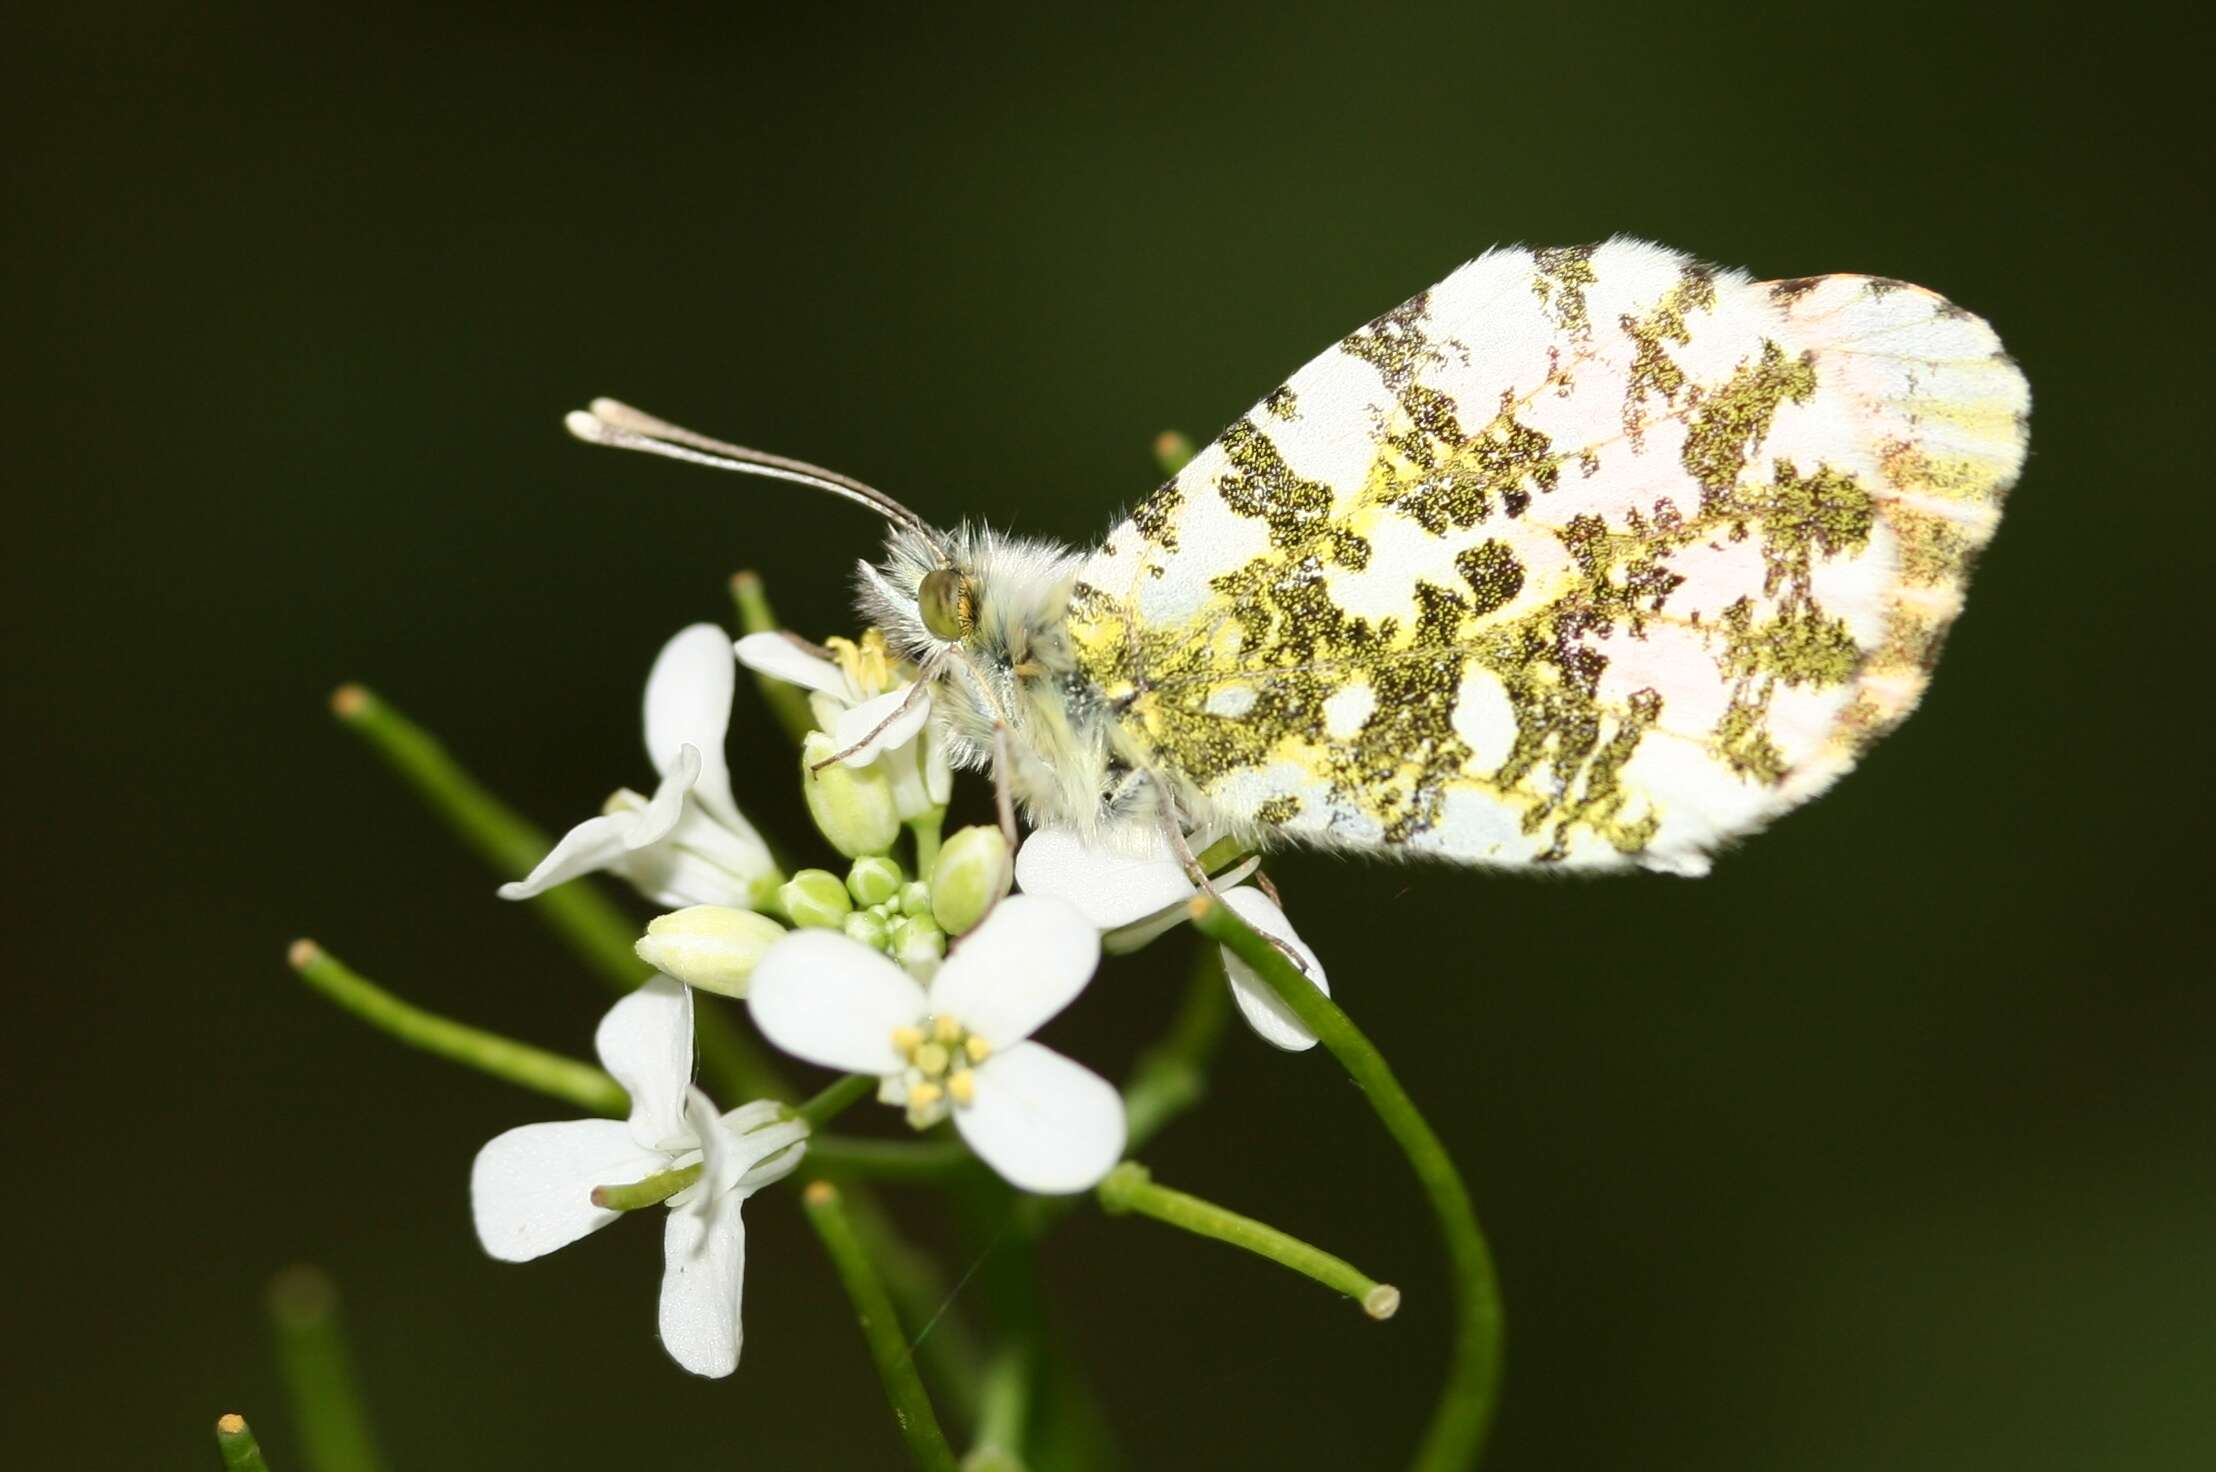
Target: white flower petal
pixel 703 1272
pixel 1113 889
pixel 654 822
pixel 699 862
pixel 1264 1012
pixel 910 797
pixel 901 716
pixel 781 659
pixel 646 1041
pixel 1028 961
pixel 1046 1124
pixel 589 847
pixel 753 1116
pixel 938 778
pixel 530 1190
pixel 688 703
pixel 744 1150
pixel 723 1158
pixel 834 1001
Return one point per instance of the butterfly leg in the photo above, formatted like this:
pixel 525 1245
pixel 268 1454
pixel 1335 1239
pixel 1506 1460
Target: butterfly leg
pixel 1174 828
pixel 916 692
pixel 1199 876
pixel 1004 796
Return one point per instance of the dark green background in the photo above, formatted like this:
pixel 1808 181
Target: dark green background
pixel 1887 1146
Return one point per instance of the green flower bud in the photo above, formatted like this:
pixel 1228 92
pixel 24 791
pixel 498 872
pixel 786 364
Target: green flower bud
pixel 712 947
pixel 853 806
pixel 974 870
pixel 915 898
pixel 866 928
pixel 815 899
pixel 874 879
pixel 919 945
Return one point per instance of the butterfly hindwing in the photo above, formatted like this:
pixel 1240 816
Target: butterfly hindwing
pixel 1591 557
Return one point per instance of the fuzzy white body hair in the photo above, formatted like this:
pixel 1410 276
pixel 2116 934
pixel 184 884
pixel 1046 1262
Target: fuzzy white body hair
pixel 1068 765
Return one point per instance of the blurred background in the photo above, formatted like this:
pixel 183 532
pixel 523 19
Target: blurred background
pixel 297 298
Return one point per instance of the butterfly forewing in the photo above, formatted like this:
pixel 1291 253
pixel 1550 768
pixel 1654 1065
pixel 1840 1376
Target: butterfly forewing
pixel 1590 557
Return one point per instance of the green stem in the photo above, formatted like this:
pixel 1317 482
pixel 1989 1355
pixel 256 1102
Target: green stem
pixel 1005 1275
pixel 1070 1430
pixel 1130 1187
pixel 1456 1436
pixel 509 845
pixel 906 1161
pixel 1172 1076
pixel 580 1084
pixel 235 1439
pixel 827 1105
pixel 1168 1079
pixel 326 1400
pixel 938 1333
pixel 1004 1408
pixel 926 830
pixel 785 702
pixel 919 1426
pixel 583 917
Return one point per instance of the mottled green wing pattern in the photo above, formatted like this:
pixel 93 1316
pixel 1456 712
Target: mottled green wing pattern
pixel 1584 557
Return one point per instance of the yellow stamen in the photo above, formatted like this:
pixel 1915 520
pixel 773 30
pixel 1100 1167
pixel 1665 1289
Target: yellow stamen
pixel 946 1029
pixel 924 1095
pixel 907 1040
pixel 976 1047
pixel 962 1087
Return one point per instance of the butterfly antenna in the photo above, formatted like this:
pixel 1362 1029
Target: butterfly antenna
pixel 618 425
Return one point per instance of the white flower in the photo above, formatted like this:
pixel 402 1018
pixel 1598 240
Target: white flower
pixel 688 844
pixel 1133 899
pixel 854 692
pixel 959 1046
pixel 531 1189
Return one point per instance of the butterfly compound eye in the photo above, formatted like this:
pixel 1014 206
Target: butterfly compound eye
pixel 947 602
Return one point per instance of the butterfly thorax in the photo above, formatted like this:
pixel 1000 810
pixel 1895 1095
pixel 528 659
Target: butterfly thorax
pixel 1015 666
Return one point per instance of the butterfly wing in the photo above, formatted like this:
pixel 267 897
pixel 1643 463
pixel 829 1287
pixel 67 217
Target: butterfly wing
pixel 1591 557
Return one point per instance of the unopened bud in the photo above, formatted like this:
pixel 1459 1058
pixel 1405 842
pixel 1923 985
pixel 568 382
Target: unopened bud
pixel 712 947
pixel 915 898
pixel 973 871
pixel 919 945
pixel 853 806
pixel 866 928
pixel 814 899
pixel 874 879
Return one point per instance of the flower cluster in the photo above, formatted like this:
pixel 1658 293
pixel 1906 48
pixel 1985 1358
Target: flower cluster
pixel 543 1186
pixel 932 981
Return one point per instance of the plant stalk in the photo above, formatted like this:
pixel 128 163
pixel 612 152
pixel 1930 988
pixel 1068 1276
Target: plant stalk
pixel 1463 1416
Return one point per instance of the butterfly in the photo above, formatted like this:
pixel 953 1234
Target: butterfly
pixel 1585 558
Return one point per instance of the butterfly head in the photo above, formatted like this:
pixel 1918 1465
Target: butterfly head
pixel 981 616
